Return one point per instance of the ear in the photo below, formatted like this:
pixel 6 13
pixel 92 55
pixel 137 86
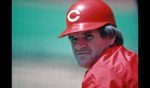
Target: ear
pixel 111 40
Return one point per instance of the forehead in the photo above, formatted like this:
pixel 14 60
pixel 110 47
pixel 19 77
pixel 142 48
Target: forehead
pixel 84 33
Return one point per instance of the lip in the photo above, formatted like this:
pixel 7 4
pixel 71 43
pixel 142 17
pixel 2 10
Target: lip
pixel 82 53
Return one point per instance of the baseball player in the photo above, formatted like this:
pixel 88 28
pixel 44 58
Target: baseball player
pixel 97 45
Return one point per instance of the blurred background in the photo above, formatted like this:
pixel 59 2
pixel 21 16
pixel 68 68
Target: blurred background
pixel 39 58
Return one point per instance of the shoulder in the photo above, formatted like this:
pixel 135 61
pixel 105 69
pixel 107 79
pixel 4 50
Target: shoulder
pixel 118 64
pixel 117 59
pixel 101 78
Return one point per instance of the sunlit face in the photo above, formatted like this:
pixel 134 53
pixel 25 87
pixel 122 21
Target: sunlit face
pixel 88 47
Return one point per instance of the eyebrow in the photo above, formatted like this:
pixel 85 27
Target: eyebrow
pixel 70 37
pixel 88 32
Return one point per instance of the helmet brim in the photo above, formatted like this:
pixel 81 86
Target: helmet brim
pixel 81 27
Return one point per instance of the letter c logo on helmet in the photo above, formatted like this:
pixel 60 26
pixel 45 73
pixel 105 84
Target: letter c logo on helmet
pixel 73 19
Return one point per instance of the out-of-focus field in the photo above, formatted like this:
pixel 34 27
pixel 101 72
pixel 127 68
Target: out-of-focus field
pixel 39 58
pixel 46 74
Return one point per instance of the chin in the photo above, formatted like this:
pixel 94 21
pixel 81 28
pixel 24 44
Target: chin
pixel 84 66
pixel 84 62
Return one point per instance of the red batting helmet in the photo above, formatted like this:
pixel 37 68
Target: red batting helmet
pixel 87 15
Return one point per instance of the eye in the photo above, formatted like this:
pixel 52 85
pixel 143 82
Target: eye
pixel 89 37
pixel 73 39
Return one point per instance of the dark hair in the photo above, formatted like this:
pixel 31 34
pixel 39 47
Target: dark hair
pixel 111 32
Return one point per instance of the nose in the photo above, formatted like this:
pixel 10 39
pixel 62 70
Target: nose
pixel 81 43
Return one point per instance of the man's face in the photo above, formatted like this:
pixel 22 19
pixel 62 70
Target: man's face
pixel 88 47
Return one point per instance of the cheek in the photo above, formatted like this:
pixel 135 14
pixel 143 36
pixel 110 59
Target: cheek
pixel 97 47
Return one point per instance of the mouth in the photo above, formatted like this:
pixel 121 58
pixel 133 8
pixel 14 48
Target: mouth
pixel 82 53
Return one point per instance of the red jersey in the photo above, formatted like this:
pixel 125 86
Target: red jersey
pixel 116 68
